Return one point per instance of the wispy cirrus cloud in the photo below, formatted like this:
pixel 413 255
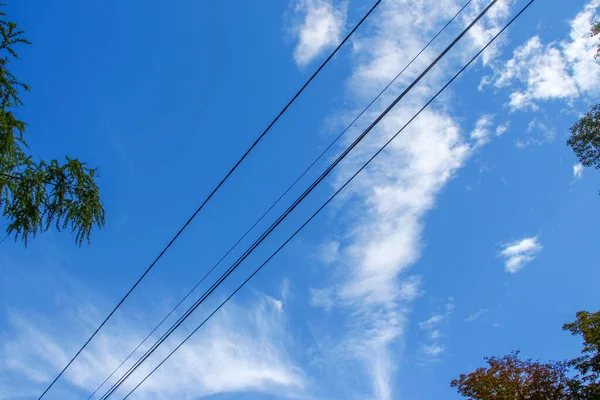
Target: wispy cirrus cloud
pixel 476 315
pixel 538 133
pixel 519 253
pixel 432 346
pixel 318 26
pixel 243 349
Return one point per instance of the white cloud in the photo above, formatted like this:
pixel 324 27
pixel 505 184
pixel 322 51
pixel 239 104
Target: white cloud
pixel 390 199
pixel 524 143
pixel 501 129
pixel 380 55
pixel 489 26
pixel 519 253
pixel 330 251
pixel 433 321
pixel 481 133
pixel 432 348
pixel 318 27
pixel 558 70
pixel 286 290
pixel 476 315
pixel 539 133
pixel 578 171
pixel 241 349
pixel 409 289
pixel 433 351
pixel 322 298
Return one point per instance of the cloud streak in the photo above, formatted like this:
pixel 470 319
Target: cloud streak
pixel 476 315
pixel 242 349
pixel 432 347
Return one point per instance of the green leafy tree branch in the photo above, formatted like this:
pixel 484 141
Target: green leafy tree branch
pixel 585 134
pixel 35 196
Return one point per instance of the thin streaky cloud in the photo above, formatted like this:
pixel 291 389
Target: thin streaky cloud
pixel 244 349
pixel 476 315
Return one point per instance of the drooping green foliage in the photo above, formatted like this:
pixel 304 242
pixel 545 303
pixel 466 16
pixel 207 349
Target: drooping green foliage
pixel 37 195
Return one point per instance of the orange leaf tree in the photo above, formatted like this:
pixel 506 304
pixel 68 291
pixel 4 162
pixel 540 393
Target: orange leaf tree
pixel 509 377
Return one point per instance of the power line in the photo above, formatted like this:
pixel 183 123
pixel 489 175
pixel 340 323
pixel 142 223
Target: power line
pixel 291 208
pixel 335 194
pixel 213 192
pixel 295 204
pixel 282 196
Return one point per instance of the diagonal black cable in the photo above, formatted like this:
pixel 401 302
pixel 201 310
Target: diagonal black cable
pixel 335 194
pixel 214 191
pixel 290 209
pixel 282 196
pixel 295 204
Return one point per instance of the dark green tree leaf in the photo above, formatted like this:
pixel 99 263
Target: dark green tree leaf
pixel 35 196
pixel 585 138
pixel 585 134
pixel 588 364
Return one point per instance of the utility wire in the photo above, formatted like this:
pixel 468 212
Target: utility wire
pixel 213 192
pixel 295 204
pixel 282 196
pixel 335 194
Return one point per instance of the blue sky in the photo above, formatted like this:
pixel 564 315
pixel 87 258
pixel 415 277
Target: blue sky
pixel 472 235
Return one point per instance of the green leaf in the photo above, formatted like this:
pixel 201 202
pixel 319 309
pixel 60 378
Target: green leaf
pixel 37 196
